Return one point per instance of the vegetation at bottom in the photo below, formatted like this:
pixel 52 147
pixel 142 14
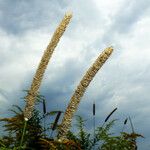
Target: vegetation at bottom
pixel 38 133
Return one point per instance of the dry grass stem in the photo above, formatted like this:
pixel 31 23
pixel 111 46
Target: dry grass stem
pixel 80 90
pixel 30 98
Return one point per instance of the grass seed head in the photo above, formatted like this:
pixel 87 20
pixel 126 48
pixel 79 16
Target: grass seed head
pixel 31 96
pixel 80 90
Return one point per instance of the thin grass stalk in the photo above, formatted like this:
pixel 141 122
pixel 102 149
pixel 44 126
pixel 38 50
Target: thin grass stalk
pixel 79 92
pixel 30 98
pixel 131 125
pixel 125 122
pixel 23 134
pixel 134 139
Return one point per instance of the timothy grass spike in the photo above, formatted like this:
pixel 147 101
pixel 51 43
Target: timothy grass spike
pixel 110 115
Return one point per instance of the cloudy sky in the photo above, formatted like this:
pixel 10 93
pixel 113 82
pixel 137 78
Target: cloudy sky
pixel 123 82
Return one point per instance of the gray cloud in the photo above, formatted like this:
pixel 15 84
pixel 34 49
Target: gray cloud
pixel 129 14
pixel 125 19
pixel 20 16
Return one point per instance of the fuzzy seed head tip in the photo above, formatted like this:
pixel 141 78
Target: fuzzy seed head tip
pixel 111 47
pixel 109 50
pixel 69 13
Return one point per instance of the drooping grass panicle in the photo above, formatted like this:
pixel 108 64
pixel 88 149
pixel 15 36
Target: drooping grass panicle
pixel 110 115
pixel 79 92
pixel 30 98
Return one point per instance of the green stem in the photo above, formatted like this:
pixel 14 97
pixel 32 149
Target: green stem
pixel 23 133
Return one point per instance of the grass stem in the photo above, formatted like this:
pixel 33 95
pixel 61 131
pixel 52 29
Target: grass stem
pixel 23 133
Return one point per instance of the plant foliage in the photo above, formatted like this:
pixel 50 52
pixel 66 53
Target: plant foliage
pixel 82 140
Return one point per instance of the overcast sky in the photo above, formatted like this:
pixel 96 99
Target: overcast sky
pixel 123 82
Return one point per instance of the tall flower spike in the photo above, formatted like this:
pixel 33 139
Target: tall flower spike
pixel 79 92
pixel 30 98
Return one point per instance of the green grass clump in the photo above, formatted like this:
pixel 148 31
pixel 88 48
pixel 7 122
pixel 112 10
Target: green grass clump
pixel 38 132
